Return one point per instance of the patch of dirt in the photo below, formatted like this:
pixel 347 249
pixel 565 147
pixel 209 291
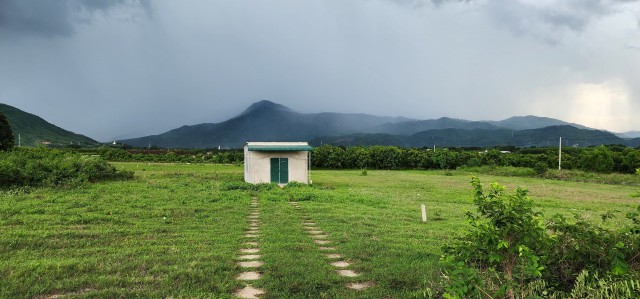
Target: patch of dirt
pixel 249 257
pixel 250 275
pixel 249 292
pixel 359 286
pixel 327 248
pixel 340 264
pixel 347 273
pixel 251 264
pixel 249 250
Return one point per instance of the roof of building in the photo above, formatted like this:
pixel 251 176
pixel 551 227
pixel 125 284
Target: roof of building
pixel 278 146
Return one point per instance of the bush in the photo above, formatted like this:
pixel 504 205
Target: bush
pixel 540 168
pixel 6 135
pixel 509 252
pixel 47 167
pixel 506 238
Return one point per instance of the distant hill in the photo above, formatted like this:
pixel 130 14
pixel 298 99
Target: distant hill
pixel 531 122
pixel 547 136
pixel 415 126
pixel 635 142
pixel 263 121
pixel 268 121
pixel 629 134
pixel 36 131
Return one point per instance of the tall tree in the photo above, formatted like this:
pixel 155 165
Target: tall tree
pixel 6 135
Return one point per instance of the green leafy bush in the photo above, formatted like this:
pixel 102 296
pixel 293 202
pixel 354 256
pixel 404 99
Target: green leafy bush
pixel 508 251
pixel 48 167
pixel 506 238
pixel 540 168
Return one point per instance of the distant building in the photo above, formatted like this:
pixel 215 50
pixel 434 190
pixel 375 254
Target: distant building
pixel 277 162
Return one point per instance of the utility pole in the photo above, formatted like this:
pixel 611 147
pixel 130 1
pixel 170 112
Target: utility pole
pixel 560 155
pixel 19 140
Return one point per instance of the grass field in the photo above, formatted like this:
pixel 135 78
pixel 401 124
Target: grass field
pixel 175 230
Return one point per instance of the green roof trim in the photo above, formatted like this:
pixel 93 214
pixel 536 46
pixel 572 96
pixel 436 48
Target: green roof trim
pixel 279 148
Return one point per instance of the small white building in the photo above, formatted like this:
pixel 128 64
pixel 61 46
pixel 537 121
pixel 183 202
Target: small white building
pixel 277 162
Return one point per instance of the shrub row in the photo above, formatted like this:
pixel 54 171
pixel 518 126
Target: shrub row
pixel 172 156
pixel 47 167
pixel 603 159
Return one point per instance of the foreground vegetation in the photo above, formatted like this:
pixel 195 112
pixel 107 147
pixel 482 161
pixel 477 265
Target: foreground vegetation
pixel 35 167
pixel 601 159
pixel 174 230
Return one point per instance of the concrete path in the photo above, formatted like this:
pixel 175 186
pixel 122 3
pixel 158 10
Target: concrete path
pixel 249 255
pixel 335 259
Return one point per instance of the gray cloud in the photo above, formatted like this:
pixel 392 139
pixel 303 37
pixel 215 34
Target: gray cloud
pixel 53 18
pixel 550 20
pixel 100 69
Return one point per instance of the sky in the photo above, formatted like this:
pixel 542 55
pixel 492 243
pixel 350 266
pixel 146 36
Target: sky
pixel 111 69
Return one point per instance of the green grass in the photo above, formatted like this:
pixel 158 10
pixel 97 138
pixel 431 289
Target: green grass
pixel 175 230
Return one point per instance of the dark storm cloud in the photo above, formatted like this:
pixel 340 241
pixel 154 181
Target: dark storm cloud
pixel 51 18
pixel 138 68
pixel 548 20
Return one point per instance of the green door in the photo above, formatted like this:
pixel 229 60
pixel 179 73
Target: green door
pixel 284 170
pixel 280 170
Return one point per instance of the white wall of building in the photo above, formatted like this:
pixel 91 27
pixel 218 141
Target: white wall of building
pixel 257 165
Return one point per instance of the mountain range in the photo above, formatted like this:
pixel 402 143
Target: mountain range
pixel 31 130
pixel 268 121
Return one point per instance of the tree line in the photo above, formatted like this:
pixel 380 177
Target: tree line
pixel 602 159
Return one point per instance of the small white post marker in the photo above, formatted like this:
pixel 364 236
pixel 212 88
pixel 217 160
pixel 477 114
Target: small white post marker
pixel 424 213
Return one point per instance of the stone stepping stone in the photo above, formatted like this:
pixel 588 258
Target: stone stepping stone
pixel 253 216
pixel 249 257
pixel 334 256
pixel 319 236
pixel 321 242
pixel 250 275
pixel 251 235
pixel 249 292
pixel 249 250
pixel 340 264
pixel 359 286
pixel 253 231
pixel 315 232
pixel 251 264
pixel 251 243
pixel 310 223
pixel 326 248
pixel 347 273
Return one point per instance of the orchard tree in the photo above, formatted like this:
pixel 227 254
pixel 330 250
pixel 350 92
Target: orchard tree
pixel 6 135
